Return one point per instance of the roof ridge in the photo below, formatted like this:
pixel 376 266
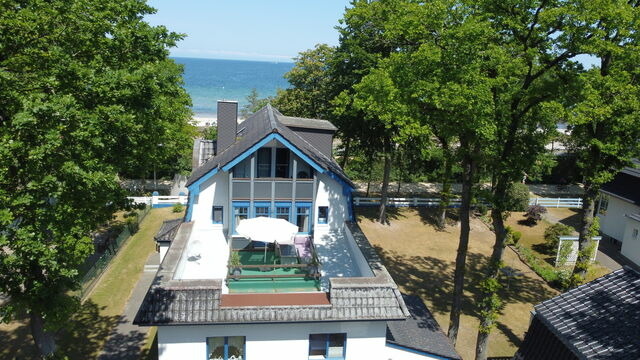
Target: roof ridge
pixel 272 120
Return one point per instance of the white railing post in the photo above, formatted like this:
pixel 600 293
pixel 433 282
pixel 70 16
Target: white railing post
pixel 415 201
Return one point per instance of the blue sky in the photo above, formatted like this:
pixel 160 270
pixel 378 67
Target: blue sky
pixel 268 30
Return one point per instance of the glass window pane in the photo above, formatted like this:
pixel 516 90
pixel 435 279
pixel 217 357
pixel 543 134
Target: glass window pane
pixel 262 211
pixel 235 347
pixel 217 215
pixel 282 163
pixel 215 346
pixel 317 344
pixel 323 214
pixel 282 213
pixel 336 345
pixel 264 162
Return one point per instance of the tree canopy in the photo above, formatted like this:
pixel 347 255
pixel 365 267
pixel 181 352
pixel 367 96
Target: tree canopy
pixel 87 93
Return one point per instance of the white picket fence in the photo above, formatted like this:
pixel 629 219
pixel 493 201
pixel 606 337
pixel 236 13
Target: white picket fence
pixel 159 201
pixel 454 203
pixel 573 256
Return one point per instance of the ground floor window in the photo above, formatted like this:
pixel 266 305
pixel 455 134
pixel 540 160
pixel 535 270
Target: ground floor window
pixel 323 214
pixel 262 209
pixel 226 348
pixel 303 212
pixel 240 212
pixel 327 346
pixel 283 210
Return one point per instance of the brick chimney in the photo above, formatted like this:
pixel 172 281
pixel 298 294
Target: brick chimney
pixel 227 123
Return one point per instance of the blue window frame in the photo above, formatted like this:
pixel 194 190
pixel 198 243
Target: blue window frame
pixel 303 216
pixel 240 212
pixel 226 348
pixel 261 209
pixel 323 214
pixel 283 211
pixel 327 346
pixel 216 215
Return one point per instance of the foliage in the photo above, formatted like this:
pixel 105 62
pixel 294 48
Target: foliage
pixel 557 278
pixel 552 235
pixel 517 197
pixel 534 213
pixel 87 92
pixel 234 259
pixel 177 208
pixel 254 103
pixel 210 132
pixel 566 247
pixel 513 236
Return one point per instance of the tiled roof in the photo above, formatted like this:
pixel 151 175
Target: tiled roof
pixel 168 230
pixel 420 331
pixel 203 150
pixel 175 302
pixel 255 128
pixel 600 319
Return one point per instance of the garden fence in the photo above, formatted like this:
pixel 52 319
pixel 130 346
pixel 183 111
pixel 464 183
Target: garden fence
pixel 92 274
pixel 159 201
pixel 455 203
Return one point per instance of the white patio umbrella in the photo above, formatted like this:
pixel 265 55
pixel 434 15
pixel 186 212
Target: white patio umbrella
pixel 268 230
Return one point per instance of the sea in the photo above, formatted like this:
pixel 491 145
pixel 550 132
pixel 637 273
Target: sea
pixel 210 80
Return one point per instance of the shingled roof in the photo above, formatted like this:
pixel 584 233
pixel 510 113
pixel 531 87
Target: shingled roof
pixel 420 332
pixel 255 128
pixel 597 320
pixel 176 302
pixel 626 184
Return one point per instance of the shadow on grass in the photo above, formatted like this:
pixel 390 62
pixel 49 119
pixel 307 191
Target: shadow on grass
pixel 373 212
pixel 89 333
pixel 545 253
pixel 574 219
pixel 16 342
pixel 432 279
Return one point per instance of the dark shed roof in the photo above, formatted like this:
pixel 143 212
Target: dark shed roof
pixel 597 320
pixel 420 332
pixel 168 230
pixel 305 123
pixel 255 128
pixel 626 185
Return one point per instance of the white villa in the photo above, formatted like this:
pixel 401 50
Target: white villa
pixel 619 211
pixel 218 295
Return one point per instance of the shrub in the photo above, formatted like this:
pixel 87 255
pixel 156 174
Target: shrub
pixel 512 236
pixel 517 197
pixel 553 232
pixel 132 224
pixel 534 213
pixel 177 208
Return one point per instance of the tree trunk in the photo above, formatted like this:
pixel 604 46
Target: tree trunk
pixel 45 341
pixel 469 166
pixel 399 173
pixel 345 154
pixel 445 195
pixel 487 321
pixel 382 218
pixel 584 239
pixel 370 175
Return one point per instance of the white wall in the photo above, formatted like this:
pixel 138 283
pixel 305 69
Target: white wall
pixel 397 354
pixel 613 223
pixel 212 192
pixel 631 246
pixel 329 193
pixel 365 340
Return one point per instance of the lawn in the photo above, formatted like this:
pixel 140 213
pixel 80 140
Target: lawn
pixel 90 327
pixel 533 236
pixel 421 259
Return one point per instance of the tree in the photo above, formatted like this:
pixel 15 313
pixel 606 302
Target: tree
pixel 87 92
pixel 254 103
pixel 605 121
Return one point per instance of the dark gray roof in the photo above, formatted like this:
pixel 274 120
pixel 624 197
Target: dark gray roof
pixel 420 331
pixel 306 123
pixel 172 301
pixel 168 230
pixel 624 185
pixel 635 217
pixel 600 319
pixel 255 128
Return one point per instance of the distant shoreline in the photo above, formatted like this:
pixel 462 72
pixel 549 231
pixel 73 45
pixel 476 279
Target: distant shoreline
pixel 291 61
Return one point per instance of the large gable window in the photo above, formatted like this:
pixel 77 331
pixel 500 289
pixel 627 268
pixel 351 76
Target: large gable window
pixel 264 163
pixel 226 348
pixel 282 163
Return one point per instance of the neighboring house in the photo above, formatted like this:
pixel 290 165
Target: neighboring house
pixel 327 296
pixel 619 211
pixel 597 320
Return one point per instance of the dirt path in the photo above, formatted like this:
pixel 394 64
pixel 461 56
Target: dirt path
pixel 421 259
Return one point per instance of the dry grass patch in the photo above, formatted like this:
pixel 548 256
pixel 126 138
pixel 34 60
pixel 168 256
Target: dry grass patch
pixel 421 259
